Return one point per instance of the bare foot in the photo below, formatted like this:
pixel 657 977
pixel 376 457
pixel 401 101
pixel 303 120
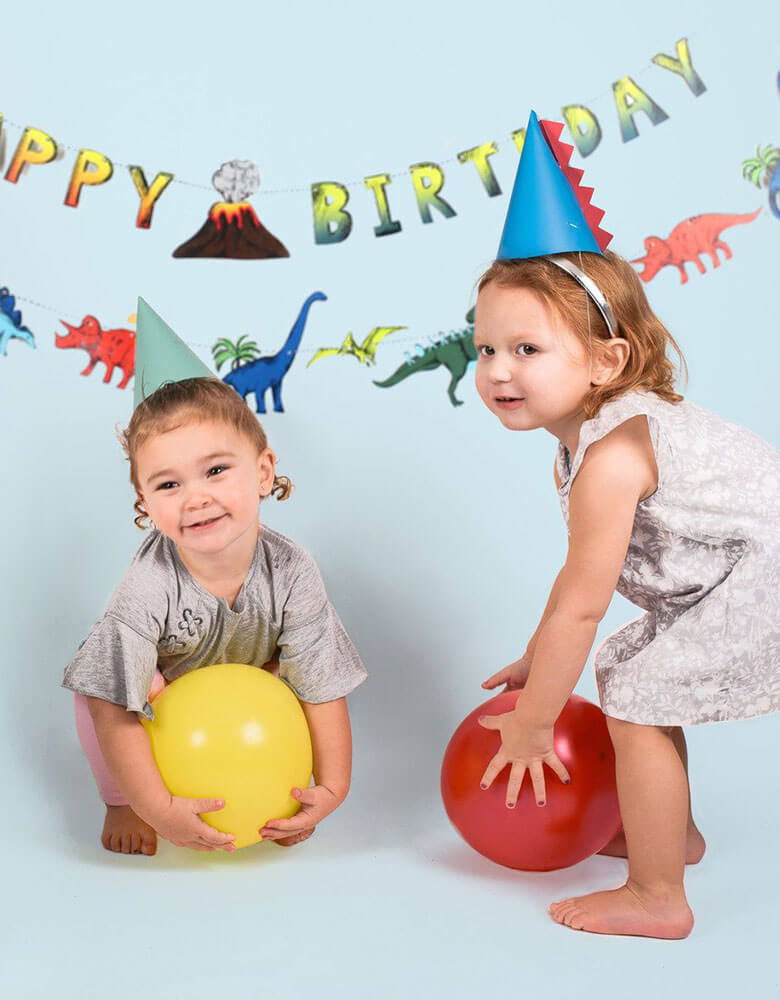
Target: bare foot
pixel 126 833
pixel 626 911
pixel 695 847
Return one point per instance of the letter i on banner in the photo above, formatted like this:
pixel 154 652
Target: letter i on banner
pixel 387 225
pixel 90 168
pixel 34 147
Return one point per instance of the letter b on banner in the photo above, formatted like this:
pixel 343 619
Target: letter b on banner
pixel 331 223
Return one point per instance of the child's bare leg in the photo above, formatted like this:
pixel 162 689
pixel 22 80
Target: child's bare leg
pixel 695 845
pixel 653 794
pixel 126 833
pixel 123 831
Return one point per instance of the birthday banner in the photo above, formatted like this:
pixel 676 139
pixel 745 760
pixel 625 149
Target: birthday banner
pixel 232 228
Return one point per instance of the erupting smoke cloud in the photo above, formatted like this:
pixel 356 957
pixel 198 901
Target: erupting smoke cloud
pixel 236 180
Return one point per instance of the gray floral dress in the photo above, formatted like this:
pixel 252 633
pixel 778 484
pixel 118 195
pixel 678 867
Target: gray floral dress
pixel 704 564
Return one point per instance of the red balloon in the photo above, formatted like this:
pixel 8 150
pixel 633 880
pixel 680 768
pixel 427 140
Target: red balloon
pixel 578 819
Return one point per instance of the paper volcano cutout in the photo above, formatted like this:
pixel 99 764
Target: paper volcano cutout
pixel 232 230
pixel 549 210
pixel 160 356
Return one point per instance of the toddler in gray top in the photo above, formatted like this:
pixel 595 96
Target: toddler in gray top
pixel 209 585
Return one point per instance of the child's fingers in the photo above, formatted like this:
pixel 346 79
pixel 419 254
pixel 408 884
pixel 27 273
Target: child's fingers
pixel 516 775
pixel 278 835
pixel 276 828
pixel 297 822
pixel 500 678
pixel 556 765
pixel 213 838
pixel 267 834
pixel 297 838
pixel 537 779
pixel 494 768
pixel 306 796
pixel 207 805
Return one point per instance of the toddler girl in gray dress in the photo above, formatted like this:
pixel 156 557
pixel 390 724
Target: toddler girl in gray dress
pixel 672 506
pixel 209 585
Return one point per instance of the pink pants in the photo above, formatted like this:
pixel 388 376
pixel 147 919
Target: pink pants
pixel 85 727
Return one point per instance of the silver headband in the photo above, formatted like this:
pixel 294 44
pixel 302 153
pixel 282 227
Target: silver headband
pixel 591 288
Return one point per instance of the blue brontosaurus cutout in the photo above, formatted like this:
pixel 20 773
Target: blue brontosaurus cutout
pixel 267 373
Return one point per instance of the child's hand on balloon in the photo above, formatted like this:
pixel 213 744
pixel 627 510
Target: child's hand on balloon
pixel 296 838
pixel 317 802
pixel 525 747
pixel 181 824
pixel 513 676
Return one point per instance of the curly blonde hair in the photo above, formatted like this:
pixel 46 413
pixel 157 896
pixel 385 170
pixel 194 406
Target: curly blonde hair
pixel 191 399
pixel 647 367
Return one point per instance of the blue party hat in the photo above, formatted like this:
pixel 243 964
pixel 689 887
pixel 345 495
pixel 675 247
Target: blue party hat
pixel 160 356
pixel 549 211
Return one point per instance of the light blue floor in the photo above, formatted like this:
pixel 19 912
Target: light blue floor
pixel 384 900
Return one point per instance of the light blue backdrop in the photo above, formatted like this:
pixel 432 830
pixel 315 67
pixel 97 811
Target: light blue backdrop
pixel 438 533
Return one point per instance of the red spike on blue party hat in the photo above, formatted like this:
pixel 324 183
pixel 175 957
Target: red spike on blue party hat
pixel 549 210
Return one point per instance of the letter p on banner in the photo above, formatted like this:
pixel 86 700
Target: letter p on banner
pixel 90 168
pixel 34 147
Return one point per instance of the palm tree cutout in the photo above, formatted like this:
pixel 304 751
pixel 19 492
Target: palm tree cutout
pixel 238 353
pixel 763 170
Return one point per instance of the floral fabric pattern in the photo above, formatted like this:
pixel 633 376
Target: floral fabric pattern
pixel 704 564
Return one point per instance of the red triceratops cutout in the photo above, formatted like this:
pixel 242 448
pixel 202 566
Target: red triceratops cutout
pixel 115 348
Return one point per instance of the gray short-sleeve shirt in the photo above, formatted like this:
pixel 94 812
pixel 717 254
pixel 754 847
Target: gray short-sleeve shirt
pixel 161 617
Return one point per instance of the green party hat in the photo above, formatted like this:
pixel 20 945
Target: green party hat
pixel 160 356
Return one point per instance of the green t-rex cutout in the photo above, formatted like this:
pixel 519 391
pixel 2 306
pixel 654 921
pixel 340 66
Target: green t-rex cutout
pixel 454 350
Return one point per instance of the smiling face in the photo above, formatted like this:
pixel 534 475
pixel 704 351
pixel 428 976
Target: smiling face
pixel 532 370
pixel 201 483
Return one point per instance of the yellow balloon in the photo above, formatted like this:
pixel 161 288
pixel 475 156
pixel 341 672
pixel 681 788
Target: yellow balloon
pixel 236 733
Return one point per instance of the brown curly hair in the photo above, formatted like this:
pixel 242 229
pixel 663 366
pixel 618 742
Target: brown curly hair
pixel 191 399
pixel 647 366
